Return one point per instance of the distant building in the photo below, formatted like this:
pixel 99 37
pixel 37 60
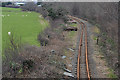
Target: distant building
pixel 19 3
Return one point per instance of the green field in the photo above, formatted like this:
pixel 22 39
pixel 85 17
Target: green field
pixel 26 25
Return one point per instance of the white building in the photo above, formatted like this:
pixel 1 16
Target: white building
pixel 19 3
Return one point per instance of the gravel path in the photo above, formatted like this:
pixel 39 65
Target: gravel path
pixel 94 63
pixel 83 72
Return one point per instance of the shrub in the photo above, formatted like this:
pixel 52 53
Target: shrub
pixel 39 3
pixel 43 41
pixel 6 3
pixel 30 6
pixel 11 57
pixel 27 65
pixel 52 13
pixel 75 9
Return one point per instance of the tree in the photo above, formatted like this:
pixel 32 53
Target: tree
pixel 39 3
pixel 75 9
pixel 9 3
pixel 6 3
pixel 30 6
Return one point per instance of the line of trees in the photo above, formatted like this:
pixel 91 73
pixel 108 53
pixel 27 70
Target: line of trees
pixel 46 9
pixel 6 3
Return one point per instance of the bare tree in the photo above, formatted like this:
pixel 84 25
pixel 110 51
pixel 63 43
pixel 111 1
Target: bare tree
pixel 29 6
pixel 75 9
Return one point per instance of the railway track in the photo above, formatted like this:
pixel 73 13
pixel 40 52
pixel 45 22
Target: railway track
pixel 83 70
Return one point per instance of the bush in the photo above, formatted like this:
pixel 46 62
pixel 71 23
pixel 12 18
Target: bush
pixel 75 9
pixel 11 58
pixel 27 65
pixel 59 13
pixel 65 18
pixel 52 13
pixel 39 3
pixel 30 6
pixel 6 3
pixel 43 41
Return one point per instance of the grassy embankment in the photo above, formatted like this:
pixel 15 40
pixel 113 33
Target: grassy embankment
pixel 26 25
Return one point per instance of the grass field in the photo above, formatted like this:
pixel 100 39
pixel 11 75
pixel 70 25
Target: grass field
pixel 27 25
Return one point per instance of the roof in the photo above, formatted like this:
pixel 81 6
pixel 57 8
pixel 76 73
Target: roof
pixel 17 3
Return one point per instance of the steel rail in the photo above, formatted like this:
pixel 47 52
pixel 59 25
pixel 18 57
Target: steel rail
pixel 86 49
pixel 79 53
pixel 86 53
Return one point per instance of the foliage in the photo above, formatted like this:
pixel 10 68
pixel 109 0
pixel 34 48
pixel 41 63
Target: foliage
pixel 11 57
pixel 95 38
pixel 111 74
pixel 13 61
pixel 27 65
pixel 42 40
pixel 29 6
pixel 47 10
pixel 39 3
pixel 59 13
pixel 6 3
pixel 52 13
pixel 13 47
pixel 73 24
pixel 75 9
